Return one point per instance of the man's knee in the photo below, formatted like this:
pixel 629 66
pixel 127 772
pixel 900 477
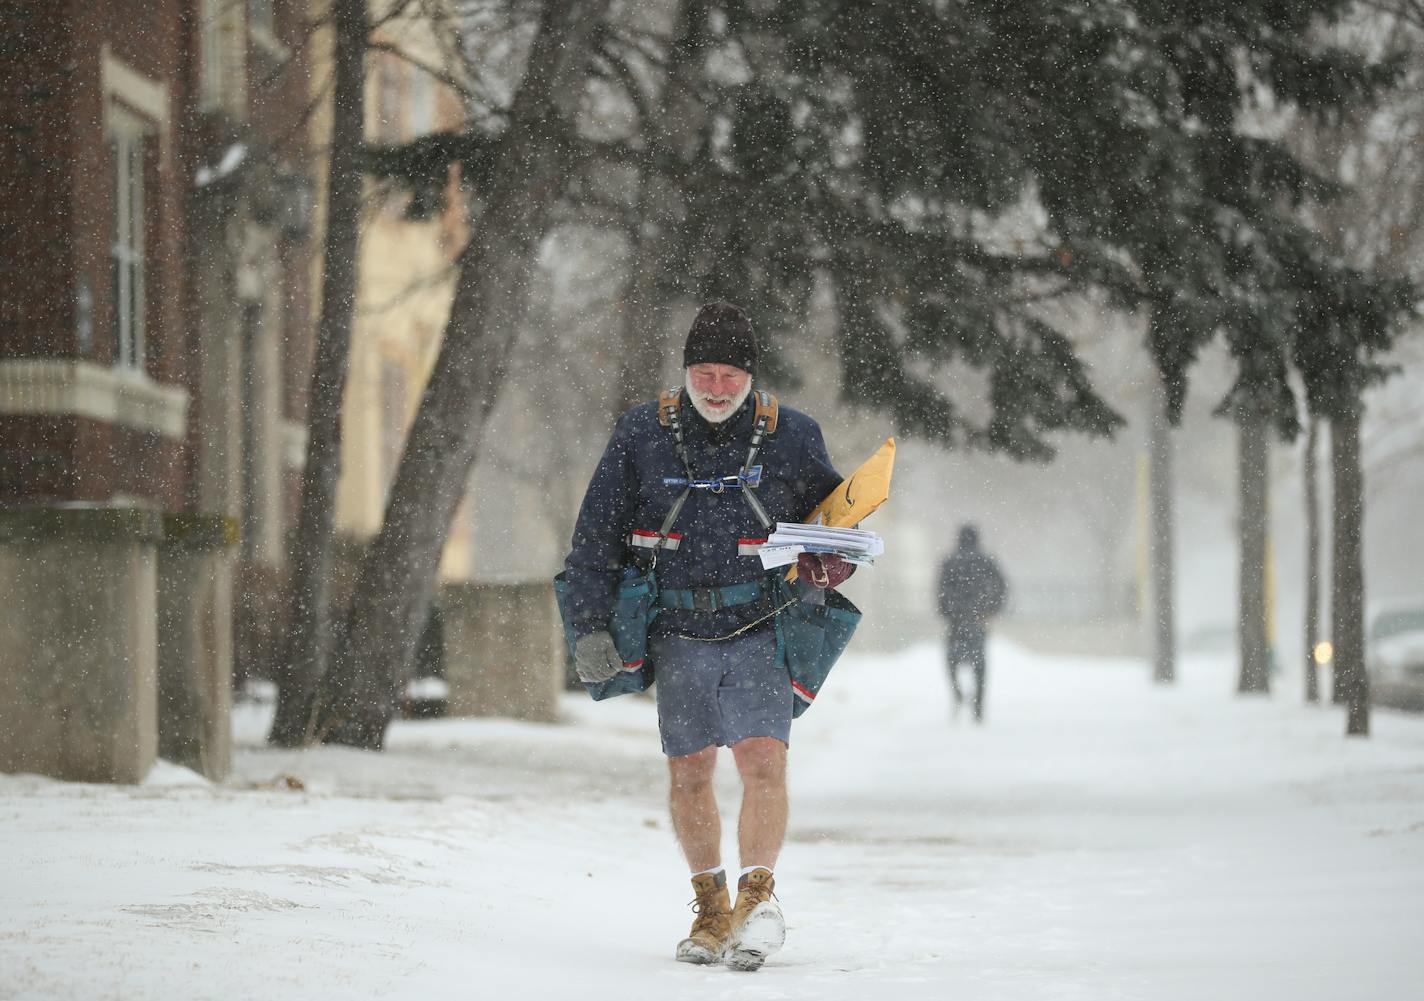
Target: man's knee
pixel 692 772
pixel 761 759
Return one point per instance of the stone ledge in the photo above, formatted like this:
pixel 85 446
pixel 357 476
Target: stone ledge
pixel 67 387
pixel 93 523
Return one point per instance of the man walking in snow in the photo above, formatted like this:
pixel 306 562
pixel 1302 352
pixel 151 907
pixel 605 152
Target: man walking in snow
pixel 971 590
pixel 719 678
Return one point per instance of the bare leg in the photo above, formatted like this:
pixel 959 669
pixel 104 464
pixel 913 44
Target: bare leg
pixel 693 806
pixel 762 827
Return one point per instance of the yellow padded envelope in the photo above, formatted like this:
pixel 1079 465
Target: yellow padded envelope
pixel 858 495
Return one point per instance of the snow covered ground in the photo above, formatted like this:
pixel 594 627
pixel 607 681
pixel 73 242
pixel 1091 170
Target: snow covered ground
pixel 1098 838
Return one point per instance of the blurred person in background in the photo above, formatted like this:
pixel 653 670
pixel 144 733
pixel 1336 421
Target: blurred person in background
pixel 971 591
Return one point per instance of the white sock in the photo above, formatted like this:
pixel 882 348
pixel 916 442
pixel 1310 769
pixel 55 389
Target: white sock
pixel 751 868
pixel 711 872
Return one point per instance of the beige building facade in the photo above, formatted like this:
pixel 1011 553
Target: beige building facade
pixel 406 276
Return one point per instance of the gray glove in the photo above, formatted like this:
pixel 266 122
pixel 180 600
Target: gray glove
pixel 595 657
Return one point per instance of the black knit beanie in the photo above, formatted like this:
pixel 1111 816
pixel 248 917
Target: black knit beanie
pixel 721 333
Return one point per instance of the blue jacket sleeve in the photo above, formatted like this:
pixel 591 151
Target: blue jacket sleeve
pixel 594 565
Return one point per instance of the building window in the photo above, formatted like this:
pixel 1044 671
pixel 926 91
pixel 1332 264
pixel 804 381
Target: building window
pixel 130 144
pixel 212 56
pixel 259 15
pixel 222 67
pixel 388 101
pixel 422 102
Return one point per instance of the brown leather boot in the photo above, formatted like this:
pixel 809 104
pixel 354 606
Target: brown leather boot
pixel 758 928
pixel 708 939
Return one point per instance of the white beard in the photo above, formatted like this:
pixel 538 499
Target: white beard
pixel 700 402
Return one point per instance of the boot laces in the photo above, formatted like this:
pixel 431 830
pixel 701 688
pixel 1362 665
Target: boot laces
pixel 708 910
pixel 758 892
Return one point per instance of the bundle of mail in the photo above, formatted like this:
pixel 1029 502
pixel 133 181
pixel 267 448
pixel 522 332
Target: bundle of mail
pixel 791 539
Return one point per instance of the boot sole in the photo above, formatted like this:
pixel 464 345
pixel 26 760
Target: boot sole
pixel 689 951
pixel 760 936
pixel 746 960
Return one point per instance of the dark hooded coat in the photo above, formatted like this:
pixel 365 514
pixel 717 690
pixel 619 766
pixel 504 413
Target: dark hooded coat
pixel 971 589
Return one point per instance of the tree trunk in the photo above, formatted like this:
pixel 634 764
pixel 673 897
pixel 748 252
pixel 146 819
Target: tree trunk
pixel 1339 688
pixel 1347 578
pixel 1312 562
pixel 304 658
pixel 1253 453
pixel 1160 552
pixel 396 577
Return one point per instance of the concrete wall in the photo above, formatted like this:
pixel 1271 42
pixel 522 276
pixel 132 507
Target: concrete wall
pixel 503 650
pixel 78 691
pixel 1117 637
pixel 195 643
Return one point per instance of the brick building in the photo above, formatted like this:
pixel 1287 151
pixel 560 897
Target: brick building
pixel 155 334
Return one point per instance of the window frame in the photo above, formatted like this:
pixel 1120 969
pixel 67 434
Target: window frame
pixel 129 142
pixel 137 135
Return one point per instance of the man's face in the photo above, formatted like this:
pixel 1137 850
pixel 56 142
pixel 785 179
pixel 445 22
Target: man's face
pixel 717 390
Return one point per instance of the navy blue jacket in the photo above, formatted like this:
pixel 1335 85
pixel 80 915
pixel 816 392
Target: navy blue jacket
pixel 715 534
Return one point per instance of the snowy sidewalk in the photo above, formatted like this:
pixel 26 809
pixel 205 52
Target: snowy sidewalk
pixel 1098 838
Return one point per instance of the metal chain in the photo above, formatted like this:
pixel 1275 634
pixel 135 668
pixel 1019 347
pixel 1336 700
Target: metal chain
pixel 755 622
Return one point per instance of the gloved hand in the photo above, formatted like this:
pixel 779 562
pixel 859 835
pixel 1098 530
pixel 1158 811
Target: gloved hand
pixel 596 658
pixel 823 569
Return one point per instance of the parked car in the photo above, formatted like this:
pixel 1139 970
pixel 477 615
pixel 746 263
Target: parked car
pixel 1395 656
